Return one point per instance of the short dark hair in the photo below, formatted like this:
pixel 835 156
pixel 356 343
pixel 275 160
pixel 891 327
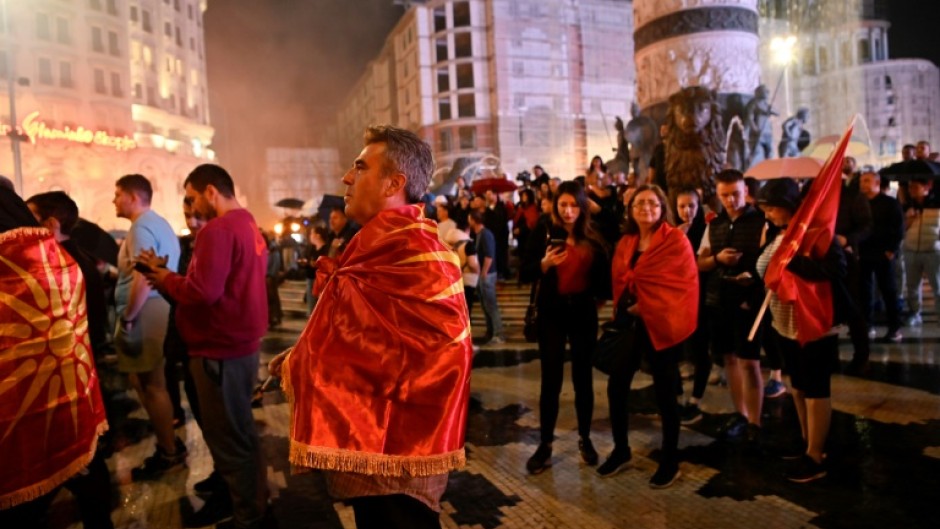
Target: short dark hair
pixel 210 174
pixel 58 205
pixel 729 176
pixel 476 216
pixel 908 146
pixel 405 152
pixel 137 184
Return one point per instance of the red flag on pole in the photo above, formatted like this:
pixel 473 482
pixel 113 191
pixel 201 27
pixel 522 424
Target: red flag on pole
pixel 810 233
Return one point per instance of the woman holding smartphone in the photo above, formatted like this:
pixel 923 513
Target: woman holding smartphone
pixel 656 279
pixel 570 261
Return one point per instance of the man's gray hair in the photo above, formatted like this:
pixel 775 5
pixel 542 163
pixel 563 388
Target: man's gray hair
pixel 405 152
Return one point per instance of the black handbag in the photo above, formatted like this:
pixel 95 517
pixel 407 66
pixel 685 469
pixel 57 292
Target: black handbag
pixel 530 329
pixel 616 338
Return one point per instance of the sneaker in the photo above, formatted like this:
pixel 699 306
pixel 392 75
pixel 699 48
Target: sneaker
pixel 914 320
pixel 497 340
pixel 588 454
pixel 805 470
pixel 665 476
pixel 616 462
pixel 540 460
pixel 734 428
pixel 690 414
pixel 160 463
pixel 212 484
pixel 217 509
pixel 894 336
pixel 752 443
pixel 774 389
pixel 872 333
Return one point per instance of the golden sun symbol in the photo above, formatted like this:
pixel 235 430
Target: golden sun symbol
pixel 51 351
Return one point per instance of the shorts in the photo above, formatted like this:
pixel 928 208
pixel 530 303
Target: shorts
pixel 141 349
pixel 812 365
pixel 729 327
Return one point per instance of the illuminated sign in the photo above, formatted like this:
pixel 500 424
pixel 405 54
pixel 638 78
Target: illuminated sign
pixel 36 130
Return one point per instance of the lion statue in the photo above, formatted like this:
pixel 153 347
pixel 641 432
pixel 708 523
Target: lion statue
pixel 695 142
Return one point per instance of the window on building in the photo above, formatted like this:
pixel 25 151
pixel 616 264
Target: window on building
pixel 879 50
pixel 63 34
pixel 133 13
pixel 440 19
pixel 43 31
pixel 65 75
pixel 443 80
pixel 168 29
pixel 148 56
pixel 95 4
pixel 113 47
pixel 864 50
pixel 179 37
pixel 189 11
pixel 138 91
pixel 145 21
pixel 97 40
pixel 890 99
pixel 461 14
pixel 441 46
pixel 100 86
pixel 888 84
pixel 445 140
pixel 443 109
pixel 45 71
pixel 176 5
pixel 466 106
pixel 116 89
pixel 112 7
pixel 468 138
pixel 809 61
pixel 465 75
pixel 151 96
pixel 462 45
pixel 173 101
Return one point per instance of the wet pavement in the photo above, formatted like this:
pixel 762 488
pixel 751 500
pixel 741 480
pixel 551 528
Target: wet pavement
pixel 883 454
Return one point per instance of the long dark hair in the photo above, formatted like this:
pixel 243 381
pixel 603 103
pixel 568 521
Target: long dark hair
pixel 630 227
pixel 583 226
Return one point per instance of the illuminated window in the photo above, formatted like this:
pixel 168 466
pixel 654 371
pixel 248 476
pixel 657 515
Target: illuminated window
pixel 65 75
pixel 468 138
pixel 42 27
pixel 97 40
pixel 135 51
pixel 45 71
pixel 100 86
pixel 148 56
pixel 116 89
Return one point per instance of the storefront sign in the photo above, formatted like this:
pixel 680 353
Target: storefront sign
pixel 36 130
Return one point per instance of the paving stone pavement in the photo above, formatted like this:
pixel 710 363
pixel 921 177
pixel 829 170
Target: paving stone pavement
pixel 884 453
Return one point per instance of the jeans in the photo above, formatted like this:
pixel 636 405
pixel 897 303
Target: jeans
pixel 486 290
pixel 225 388
pixel 918 265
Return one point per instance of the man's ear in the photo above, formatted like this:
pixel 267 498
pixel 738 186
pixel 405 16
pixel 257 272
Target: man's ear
pixel 396 183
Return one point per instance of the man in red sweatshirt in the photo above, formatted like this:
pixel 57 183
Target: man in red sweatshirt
pixel 221 315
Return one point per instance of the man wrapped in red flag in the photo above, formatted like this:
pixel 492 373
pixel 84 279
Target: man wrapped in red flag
pixel 802 267
pixel 379 379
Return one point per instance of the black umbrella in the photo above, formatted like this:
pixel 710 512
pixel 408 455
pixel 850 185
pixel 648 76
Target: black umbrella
pixel 328 204
pixel 95 241
pixel 290 203
pixel 911 170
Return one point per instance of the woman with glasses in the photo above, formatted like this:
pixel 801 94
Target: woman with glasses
pixel 655 279
pixel 570 262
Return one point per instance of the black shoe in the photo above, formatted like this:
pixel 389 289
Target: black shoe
pixel 858 368
pixel 211 485
pixel 217 509
pixel 160 463
pixel 540 460
pixel 588 454
pixel 806 470
pixel 752 443
pixel 616 462
pixel 690 414
pixel 665 476
pixel 734 428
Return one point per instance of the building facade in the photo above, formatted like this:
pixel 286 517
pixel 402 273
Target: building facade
pixel 528 81
pixel 104 88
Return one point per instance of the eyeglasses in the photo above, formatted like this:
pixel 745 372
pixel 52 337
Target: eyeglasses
pixel 652 204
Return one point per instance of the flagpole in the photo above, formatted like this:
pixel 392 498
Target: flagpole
pixel 760 316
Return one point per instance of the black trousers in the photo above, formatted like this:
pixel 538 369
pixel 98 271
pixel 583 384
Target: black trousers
pixel 396 511
pixel 572 319
pixel 881 270
pixel 665 367
pixel 858 324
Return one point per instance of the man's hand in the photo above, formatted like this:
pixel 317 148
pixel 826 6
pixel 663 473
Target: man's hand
pixel 157 265
pixel 729 256
pixel 274 366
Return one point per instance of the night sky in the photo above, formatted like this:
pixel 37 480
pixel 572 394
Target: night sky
pixel 914 26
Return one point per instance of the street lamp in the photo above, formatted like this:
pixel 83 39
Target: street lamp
pixel 783 51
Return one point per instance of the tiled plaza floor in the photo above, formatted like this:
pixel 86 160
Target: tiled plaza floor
pixel 884 455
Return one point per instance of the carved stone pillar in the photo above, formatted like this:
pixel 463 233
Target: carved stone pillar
pixel 681 43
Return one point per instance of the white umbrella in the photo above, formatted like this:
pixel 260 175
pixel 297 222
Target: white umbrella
pixel 798 167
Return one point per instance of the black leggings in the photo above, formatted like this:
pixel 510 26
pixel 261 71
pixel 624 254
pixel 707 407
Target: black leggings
pixel 664 365
pixel 572 319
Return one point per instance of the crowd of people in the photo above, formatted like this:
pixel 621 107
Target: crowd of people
pixel 379 378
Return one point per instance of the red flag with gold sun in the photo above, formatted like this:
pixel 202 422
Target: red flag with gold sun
pixel 51 411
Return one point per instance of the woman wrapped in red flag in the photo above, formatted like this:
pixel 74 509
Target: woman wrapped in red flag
pixel 810 365
pixel 654 268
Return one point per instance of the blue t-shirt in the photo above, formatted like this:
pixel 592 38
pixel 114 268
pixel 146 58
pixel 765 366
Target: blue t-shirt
pixel 486 247
pixel 148 231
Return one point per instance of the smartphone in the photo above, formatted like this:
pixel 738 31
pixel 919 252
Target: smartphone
pixel 557 243
pixel 142 268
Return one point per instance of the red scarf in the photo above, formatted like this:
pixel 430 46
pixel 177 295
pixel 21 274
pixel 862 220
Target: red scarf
pixel 51 411
pixel 664 282
pixel 380 378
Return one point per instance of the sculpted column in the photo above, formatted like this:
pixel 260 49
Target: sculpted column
pixel 682 43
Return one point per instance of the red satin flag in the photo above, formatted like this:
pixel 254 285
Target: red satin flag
pixel 810 233
pixel 664 281
pixel 379 380
pixel 51 411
